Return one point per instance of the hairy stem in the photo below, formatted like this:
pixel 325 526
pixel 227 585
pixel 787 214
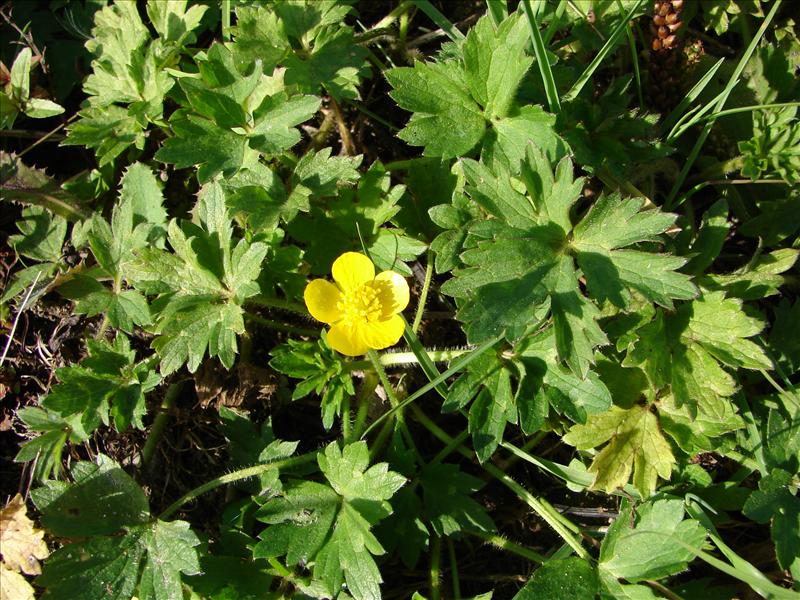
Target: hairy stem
pixel 423 296
pixel 239 475
pixel 160 423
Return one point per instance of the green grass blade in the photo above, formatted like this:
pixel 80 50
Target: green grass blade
pixel 637 76
pixel 610 44
pixel 552 28
pixel 497 11
pixel 441 21
pixel 568 474
pixel 679 111
pixel 752 108
pixel 734 79
pixel 541 59
pixel 742 569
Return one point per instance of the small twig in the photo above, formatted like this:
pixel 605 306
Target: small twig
pixel 34 135
pixel 25 36
pixel 22 307
pixel 347 140
pixel 48 135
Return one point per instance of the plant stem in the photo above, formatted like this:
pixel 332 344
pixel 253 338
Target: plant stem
pixel 344 132
pixel 235 476
pixel 436 554
pixel 278 326
pixel 346 418
pixel 394 359
pixel 395 404
pixel 364 395
pixel 269 302
pixel 423 296
pixel 499 541
pixel 282 571
pixel 560 524
pixel 160 423
pixel 396 12
pixel 226 19
pixel 451 553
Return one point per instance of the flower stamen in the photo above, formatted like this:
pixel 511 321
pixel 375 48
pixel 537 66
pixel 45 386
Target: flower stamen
pixel 360 305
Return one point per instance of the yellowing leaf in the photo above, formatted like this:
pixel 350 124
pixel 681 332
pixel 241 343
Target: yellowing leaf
pixel 21 544
pixel 13 585
pixel 636 444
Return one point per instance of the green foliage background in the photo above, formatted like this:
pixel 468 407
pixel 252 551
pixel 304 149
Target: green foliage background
pixel 602 245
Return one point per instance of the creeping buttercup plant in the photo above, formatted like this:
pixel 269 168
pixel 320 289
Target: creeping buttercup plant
pixel 412 299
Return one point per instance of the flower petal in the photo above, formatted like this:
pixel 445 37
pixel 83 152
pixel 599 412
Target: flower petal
pixel 351 270
pixel 382 334
pixel 321 299
pixel 346 340
pixel 392 292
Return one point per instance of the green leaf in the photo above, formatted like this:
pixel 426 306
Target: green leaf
pixel 447 502
pixel 508 140
pixel 138 220
pixel 446 120
pixel 41 235
pixel 322 174
pixel 322 371
pixel 102 500
pixel 695 431
pixel 259 35
pixel 613 223
pixel 8 111
pixel 335 63
pixel 635 445
pixel 390 251
pixel 146 562
pixel 118 42
pixel 713 231
pixel 782 441
pixel 329 525
pixel 202 285
pixel 568 578
pixel 41 108
pixel 110 130
pixel 249 444
pixel 521 260
pixel 682 349
pixel 191 325
pixel 495 63
pixel 124 309
pixel 720 325
pixel 141 190
pixel 20 77
pixel 490 410
pixel 758 280
pixel 650 544
pixel 107 381
pixel 276 119
pixel 775 502
pixel 173 23
pixel 574 319
pixel 777 220
pixel 46 449
pixel 199 141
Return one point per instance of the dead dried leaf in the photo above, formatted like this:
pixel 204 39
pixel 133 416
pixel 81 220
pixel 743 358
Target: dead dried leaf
pixel 14 586
pixel 21 544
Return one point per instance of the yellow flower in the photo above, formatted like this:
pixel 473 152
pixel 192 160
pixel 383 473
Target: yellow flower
pixel 362 308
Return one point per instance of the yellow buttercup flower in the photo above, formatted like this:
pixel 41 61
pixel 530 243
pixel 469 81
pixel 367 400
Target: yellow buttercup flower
pixel 362 309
